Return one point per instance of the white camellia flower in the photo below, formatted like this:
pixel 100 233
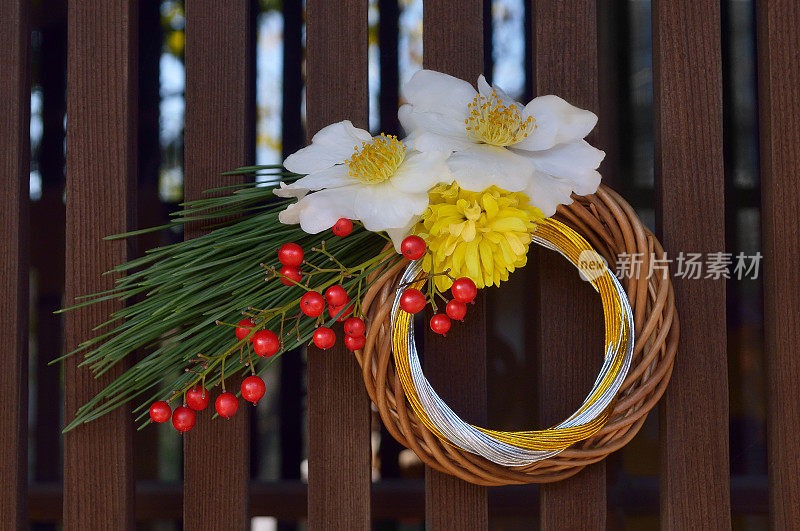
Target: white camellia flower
pixel 537 148
pixel 350 174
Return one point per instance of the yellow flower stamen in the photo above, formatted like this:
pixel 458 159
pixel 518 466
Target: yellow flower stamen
pixel 492 122
pixel 481 235
pixel 376 161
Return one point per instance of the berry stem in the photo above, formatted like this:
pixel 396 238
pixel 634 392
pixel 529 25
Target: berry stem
pixel 222 375
pixel 280 335
pixel 278 274
pixel 330 256
pixel 250 361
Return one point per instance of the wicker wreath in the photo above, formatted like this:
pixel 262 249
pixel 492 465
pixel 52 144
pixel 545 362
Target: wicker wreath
pixel 610 224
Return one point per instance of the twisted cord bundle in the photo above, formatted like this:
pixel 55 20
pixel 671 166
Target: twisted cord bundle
pixel 524 447
pixel 611 227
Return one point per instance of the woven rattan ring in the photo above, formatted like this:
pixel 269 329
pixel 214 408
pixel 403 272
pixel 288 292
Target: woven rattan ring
pixel 612 227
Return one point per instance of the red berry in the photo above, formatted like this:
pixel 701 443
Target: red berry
pixel 354 342
pixel 324 338
pixel 334 310
pixel 343 227
pixel 312 304
pixel 456 310
pixel 160 411
pixel 244 328
pixel 464 290
pixel 413 247
pixel 183 419
pixel 266 343
pixel 226 405
pixel 291 275
pixel 440 323
pixel 197 397
pixel 253 389
pixel 412 300
pixel 290 254
pixel 336 295
pixel 355 327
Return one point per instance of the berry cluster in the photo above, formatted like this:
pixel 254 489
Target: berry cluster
pixel 197 399
pixel 340 306
pixel 413 300
pixel 463 290
pixel 265 342
pixel 252 332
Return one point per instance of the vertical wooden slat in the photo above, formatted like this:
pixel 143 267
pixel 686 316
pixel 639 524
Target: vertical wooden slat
pixel 219 136
pixel 101 177
pixel 779 105
pixel 565 63
pixel 338 406
pixel 14 167
pixel 456 365
pixel 687 93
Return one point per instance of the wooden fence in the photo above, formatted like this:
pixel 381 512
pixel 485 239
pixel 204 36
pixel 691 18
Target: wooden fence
pixel 99 490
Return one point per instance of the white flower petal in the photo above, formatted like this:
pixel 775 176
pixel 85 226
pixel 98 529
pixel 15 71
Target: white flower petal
pixel 574 161
pixel 319 211
pixel 486 90
pixel 291 214
pixel 422 140
pixel 331 145
pixel 333 177
pixel 556 121
pixel 382 206
pixel 290 190
pixel 433 131
pixel 547 192
pixel 506 99
pixel 482 166
pixel 441 122
pixel 430 90
pixel 420 172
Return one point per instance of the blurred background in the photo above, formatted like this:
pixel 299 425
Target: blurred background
pixel 395 52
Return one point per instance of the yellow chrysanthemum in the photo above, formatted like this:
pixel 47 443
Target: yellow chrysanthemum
pixel 480 235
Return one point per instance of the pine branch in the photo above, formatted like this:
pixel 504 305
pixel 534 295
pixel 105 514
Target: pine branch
pixel 176 293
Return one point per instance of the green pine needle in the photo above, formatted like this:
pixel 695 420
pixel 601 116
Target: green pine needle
pixel 175 294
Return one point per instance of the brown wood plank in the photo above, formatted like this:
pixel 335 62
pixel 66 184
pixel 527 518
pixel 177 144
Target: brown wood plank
pixel 101 177
pixel 339 467
pixel 456 364
pixel 15 109
pixel 565 63
pixel 687 92
pixel 779 105
pixel 219 136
